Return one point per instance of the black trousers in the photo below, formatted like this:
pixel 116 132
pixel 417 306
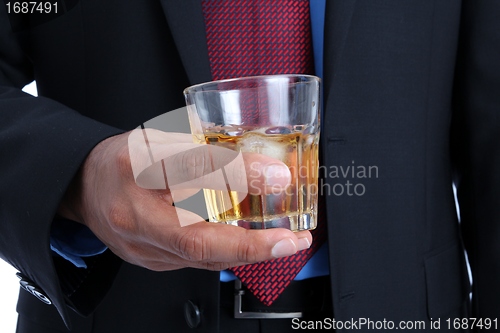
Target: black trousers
pixel 311 296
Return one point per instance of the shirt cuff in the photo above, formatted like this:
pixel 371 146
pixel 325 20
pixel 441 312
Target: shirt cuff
pixel 74 241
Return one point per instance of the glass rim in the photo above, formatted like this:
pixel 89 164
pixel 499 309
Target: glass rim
pixel 193 88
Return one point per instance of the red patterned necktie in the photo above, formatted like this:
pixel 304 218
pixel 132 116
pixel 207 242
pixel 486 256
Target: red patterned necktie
pixel 263 37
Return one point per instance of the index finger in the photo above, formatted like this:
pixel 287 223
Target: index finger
pixel 168 161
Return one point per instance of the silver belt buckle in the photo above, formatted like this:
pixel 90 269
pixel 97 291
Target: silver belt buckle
pixel 238 294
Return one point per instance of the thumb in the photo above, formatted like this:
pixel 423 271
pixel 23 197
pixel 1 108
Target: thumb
pixel 213 242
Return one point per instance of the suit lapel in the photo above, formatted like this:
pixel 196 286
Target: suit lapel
pixel 185 19
pixel 337 23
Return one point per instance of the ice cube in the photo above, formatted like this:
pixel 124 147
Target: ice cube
pixel 253 142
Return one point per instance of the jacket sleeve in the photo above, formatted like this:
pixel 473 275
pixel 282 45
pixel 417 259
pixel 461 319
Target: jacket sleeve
pixel 476 147
pixel 42 145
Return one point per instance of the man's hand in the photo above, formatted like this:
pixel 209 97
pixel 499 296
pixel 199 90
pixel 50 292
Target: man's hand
pixel 129 205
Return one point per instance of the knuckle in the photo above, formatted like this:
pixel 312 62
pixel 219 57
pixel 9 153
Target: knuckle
pixel 248 252
pixel 119 218
pixel 197 162
pixel 189 163
pixel 191 246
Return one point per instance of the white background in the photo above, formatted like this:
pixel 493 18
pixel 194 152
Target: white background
pixel 9 283
pixel 9 289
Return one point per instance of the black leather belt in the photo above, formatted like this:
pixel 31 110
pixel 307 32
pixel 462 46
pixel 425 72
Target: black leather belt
pixel 300 297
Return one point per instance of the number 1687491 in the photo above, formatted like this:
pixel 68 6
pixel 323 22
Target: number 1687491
pixel 32 7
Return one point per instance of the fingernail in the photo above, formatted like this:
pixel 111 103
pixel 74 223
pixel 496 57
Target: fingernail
pixel 303 243
pixel 276 174
pixel 285 247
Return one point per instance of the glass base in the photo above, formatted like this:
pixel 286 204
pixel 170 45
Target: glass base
pixel 306 221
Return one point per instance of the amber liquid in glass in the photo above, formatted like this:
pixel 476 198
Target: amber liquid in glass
pixel 294 207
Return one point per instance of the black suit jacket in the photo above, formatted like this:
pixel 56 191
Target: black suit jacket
pixel 411 89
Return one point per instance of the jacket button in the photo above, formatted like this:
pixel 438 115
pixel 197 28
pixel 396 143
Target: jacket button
pixel 192 314
pixel 30 287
